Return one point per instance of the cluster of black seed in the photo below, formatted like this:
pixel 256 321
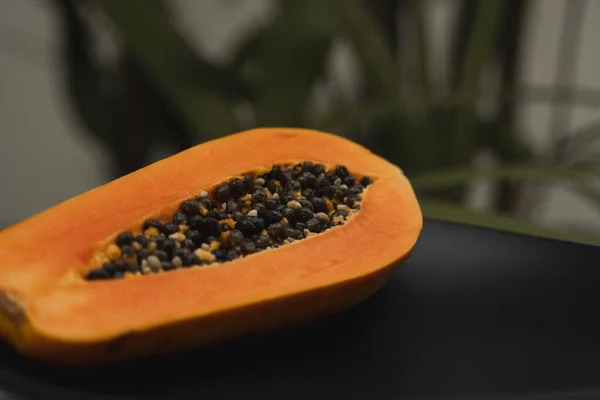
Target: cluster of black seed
pixel 245 215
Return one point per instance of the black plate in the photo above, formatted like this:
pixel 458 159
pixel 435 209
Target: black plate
pixel 473 313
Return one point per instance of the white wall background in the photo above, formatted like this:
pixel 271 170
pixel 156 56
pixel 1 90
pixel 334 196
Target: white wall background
pixel 44 159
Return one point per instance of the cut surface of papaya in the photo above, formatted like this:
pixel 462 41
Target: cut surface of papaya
pixel 255 231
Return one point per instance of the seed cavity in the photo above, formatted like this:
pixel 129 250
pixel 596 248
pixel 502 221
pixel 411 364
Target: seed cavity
pixel 248 214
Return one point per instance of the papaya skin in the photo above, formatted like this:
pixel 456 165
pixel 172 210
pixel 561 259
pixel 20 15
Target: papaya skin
pixel 50 313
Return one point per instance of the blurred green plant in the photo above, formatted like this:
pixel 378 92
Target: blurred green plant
pixel 162 90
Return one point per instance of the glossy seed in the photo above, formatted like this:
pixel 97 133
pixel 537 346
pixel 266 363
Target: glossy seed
pixel 306 204
pixel 237 187
pixel 152 223
pixel 303 214
pixel 248 247
pixel 190 208
pixel 259 196
pixel 222 192
pixel 207 202
pixel 167 266
pixel 162 255
pixel 250 226
pixel 366 180
pixel 195 236
pixel 142 240
pixel 276 231
pixel 98 274
pixel 170 228
pixel 313 225
pixel 232 254
pixel 261 242
pixel 271 204
pixel 124 239
pixel 294 234
pixel 179 218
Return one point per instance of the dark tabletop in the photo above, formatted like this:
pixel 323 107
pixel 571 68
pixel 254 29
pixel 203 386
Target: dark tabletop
pixel 473 313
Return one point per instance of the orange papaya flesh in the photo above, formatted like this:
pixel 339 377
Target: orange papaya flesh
pixel 53 308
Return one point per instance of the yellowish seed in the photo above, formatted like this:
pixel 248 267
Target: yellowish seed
pixel 205 246
pixel 229 222
pixel 177 263
pixel 203 211
pixel 151 232
pixel 178 237
pixel 214 245
pixel 183 228
pixel 285 222
pixel 253 213
pixel 294 204
pixel 247 197
pixel 225 237
pixel 268 192
pixel 136 246
pixel 153 262
pixel 262 170
pixel 132 259
pixel 329 204
pixel 205 255
pixel 113 252
pixel 276 195
pixel 152 246
pixel 203 193
pixel 342 207
pixel 322 217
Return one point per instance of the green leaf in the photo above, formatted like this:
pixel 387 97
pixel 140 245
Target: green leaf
pixel 287 59
pixel 461 176
pixel 478 52
pixel 455 213
pixel 84 77
pixel 378 64
pixel 419 9
pixel 172 63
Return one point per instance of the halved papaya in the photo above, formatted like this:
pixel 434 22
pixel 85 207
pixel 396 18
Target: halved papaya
pixel 175 255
